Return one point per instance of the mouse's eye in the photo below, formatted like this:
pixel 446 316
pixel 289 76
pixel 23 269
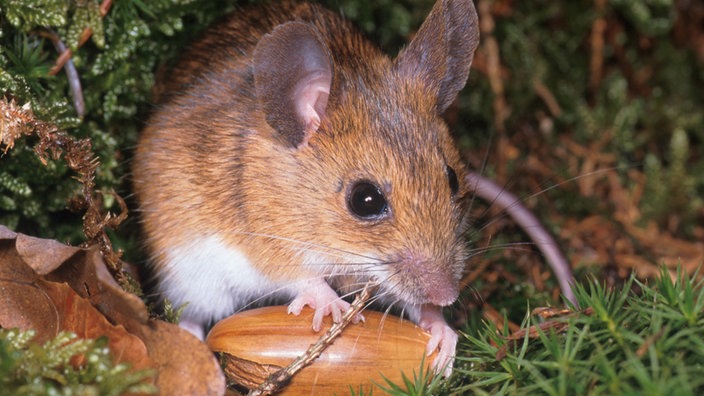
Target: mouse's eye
pixel 366 201
pixel 452 179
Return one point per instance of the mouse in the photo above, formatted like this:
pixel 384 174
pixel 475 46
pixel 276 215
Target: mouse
pixel 290 159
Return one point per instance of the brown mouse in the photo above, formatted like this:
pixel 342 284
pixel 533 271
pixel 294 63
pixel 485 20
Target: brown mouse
pixel 291 159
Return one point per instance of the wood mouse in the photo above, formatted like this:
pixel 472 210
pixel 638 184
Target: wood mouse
pixel 291 159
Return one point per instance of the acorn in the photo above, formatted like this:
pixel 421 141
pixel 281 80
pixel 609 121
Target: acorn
pixel 255 344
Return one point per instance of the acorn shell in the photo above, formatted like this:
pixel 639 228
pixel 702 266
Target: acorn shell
pixel 255 343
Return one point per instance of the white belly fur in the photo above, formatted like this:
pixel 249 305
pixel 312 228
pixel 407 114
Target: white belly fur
pixel 214 279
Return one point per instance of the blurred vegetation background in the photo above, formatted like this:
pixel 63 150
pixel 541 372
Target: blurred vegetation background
pixel 592 111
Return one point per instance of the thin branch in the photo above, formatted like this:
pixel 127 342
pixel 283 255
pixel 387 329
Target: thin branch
pixel 279 379
pixel 596 61
pixel 493 60
pixel 74 81
pixel 85 35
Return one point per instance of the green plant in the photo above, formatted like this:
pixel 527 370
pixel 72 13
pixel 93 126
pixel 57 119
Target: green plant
pixel 640 339
pixel 116 70
pixel 64 365
pixel 422 382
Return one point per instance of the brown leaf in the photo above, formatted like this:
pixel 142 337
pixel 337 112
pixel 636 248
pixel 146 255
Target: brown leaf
pixel 23 303
pixel 185 365
pixel 87 274
pixel 30 301
pixel 43 255
pixel 77 315
pixel 51 287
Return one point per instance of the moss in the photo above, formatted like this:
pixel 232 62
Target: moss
pixel 64 365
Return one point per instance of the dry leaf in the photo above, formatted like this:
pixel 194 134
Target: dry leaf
pixel 50 287
pixel 185 365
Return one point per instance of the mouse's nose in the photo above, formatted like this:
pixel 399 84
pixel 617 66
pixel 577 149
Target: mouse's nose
pixel 440 290
pixel 432 283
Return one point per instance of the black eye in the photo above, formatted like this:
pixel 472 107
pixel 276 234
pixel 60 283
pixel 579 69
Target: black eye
pixel 366 200
pixel 452 179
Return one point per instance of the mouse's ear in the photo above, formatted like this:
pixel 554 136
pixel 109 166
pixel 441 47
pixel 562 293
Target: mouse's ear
pixel 292 78
pixel 441 52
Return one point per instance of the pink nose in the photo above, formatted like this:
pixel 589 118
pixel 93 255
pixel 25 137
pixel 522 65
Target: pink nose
pixel 440 290
pixel 435 284
pixel 442 297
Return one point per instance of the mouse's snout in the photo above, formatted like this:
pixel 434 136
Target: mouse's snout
pixel 440 292
pixel 428 280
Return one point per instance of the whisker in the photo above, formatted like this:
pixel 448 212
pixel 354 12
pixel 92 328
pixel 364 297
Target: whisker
pixel 500 196
pixel 482 169
pixel 508 245
pixel 384 316
pixel 477 296
pixel 325 249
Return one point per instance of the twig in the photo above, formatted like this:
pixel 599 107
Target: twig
pixel 596 62
pixel 64 60
pixel 493 60
pixel 280 378
pixel 85 35
pixel 74 82
pixel 558 325
pixel 548 98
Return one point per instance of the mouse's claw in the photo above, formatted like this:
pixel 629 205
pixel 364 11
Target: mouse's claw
pixel 444 339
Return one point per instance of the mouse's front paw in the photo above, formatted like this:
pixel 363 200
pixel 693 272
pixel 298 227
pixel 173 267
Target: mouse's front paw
pixel 442 338
pixel 319 296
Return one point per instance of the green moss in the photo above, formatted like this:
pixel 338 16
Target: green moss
pixel 116 69
pixel 27 368
pixel 631 343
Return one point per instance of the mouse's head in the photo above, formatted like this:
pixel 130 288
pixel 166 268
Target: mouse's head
pixel 365 155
